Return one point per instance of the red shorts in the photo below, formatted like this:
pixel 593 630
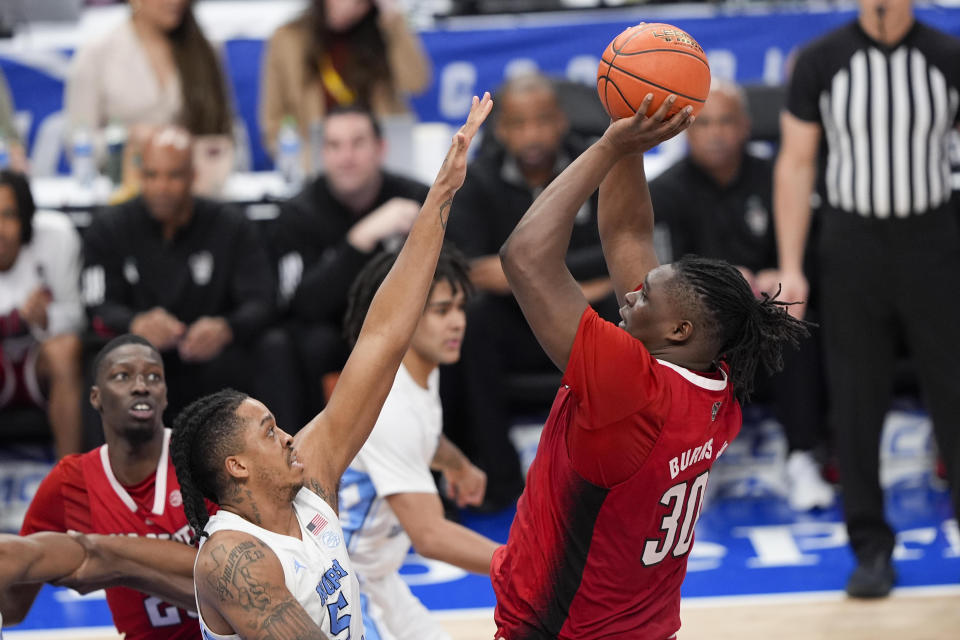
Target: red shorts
pixel 19 384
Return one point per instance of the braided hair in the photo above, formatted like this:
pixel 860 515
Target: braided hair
pixel 204 434
pixel 451 267
pixel 749 331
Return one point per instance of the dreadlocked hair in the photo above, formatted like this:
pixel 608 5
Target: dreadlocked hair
pixel 749 331
pixel 451 267
pixel 204 434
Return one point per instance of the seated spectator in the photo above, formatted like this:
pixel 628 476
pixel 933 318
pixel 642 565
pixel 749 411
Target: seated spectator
pixel 716 202
pixel 135 76
pixel 340 53
pixel 532 146
pixel 191 276
pixel 328 232
pixel 9 136
pixel 41 313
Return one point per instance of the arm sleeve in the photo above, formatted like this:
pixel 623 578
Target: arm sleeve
pixel 106 293
pixel 410 67
pixel 47 509
pixel 252 285
pixel 610 373
pixel 392 455
pixel 65 313
pixel 803 92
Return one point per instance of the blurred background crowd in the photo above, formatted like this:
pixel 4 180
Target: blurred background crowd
pixel 212 175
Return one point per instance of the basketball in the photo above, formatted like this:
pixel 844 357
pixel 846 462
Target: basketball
pixel 652 58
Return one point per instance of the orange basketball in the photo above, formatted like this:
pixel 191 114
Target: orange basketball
pixel 652 58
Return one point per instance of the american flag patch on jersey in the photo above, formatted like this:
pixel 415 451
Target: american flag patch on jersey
pixel 315 525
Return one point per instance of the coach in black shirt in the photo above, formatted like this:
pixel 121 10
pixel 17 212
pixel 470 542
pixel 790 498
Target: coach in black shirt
pixel 327 233
pixel 191 276
pixel 717 202
pixel 883 91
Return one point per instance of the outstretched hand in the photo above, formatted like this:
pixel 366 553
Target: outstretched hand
pixel 453 171
pixel 640 133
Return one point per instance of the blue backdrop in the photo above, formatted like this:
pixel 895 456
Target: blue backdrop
pixel 747 48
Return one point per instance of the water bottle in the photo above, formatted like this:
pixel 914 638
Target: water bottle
pixel 288 155
pixel 4 154
pixel 84 166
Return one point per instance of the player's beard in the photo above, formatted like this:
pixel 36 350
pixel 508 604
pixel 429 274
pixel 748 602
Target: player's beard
pixel 139 432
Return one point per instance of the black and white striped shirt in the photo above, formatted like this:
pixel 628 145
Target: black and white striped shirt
pixel 886 114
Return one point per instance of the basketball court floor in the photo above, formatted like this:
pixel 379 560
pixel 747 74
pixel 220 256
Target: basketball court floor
pixel 757 570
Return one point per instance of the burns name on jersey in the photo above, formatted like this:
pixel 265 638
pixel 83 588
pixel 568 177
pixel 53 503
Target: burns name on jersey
pixel 691 457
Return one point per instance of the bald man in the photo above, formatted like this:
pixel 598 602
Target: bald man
pixel 716 202
pixel 191 276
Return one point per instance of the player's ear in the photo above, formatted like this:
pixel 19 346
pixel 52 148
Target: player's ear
pixel 95 397
pixel 236 467
pixel 681 331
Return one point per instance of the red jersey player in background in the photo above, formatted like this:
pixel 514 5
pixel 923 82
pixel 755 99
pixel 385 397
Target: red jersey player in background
pixel 599 545
pixel 126 487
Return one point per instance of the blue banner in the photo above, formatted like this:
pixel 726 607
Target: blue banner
pixel 746 48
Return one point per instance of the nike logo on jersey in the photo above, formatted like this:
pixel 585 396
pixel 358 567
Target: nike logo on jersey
pixel 691 457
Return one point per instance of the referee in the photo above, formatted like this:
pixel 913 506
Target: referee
pixel 883 91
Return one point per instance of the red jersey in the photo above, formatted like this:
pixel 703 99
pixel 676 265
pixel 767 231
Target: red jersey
pixel 82 494
pixel 606 559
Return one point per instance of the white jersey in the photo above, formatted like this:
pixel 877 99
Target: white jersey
pixel 51 260
pixel 316 568
pixel 395 459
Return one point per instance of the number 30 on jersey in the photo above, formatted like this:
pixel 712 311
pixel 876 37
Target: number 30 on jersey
pixel 683 500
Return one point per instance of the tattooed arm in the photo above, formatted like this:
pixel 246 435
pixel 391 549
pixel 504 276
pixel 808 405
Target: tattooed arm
pixel 241 589
pixel 332 439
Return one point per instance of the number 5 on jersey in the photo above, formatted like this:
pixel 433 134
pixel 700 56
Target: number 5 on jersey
pixel 684 501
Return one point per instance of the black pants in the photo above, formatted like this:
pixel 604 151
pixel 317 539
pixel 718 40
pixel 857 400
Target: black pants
pixel 883 281
pixel 322 349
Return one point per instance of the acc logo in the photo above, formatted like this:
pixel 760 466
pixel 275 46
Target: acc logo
pixel 331 539
pixel 201 267
pixel 175 498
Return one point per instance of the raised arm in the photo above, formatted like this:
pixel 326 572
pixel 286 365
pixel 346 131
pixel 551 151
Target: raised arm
pixel 332 439
pixel 793 178
pixel 534 255
pixel 240 585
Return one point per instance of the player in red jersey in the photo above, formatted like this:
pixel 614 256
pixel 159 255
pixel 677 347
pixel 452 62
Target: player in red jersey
pixel 126 487
pixel 599 545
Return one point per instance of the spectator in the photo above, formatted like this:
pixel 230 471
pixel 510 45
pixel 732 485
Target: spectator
pixel 717 203
pixel 884 89
pixel 126 488
pixel 135 77
pixel 9 136
pixel 328 232
pixel 190 276
pixel 41 313
pixel 532 145
pixel 340 53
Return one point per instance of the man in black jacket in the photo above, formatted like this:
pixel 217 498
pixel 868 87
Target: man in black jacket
pixel 327 233
pixel 190 276
pixel 532 145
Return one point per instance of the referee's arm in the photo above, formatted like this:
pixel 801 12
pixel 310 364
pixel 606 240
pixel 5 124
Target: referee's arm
pixel 793 180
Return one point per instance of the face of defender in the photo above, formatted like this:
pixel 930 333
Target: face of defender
pixel 268 450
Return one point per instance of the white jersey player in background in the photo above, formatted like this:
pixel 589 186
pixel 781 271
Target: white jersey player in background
pixel 274 565
pixel 388 497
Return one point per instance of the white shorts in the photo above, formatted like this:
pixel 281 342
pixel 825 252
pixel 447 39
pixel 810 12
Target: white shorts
pixel 391 612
